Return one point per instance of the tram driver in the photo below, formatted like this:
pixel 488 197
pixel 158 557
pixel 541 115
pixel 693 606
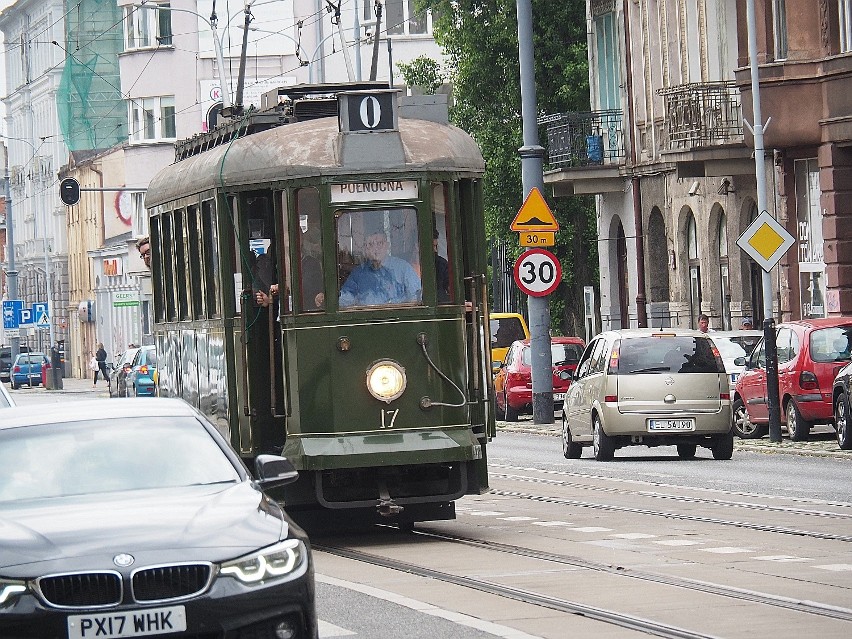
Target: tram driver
pixel 381 278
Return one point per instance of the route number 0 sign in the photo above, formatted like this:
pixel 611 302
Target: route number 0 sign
pixel 538 272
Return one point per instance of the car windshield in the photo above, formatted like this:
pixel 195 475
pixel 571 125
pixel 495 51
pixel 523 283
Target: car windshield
pixel 506 330
pixel 667 354
pixel 831 344
pixel 98 456
pixel 35 358
pixel 728 348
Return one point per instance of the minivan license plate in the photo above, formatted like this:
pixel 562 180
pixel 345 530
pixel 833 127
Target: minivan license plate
pixel 558 397
pixel 671 424
pixel 131 623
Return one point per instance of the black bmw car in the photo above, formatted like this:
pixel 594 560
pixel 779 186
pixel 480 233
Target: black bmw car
pixel 137 519
pixel 842 400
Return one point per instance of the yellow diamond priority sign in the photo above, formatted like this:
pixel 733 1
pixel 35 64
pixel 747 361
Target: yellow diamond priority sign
pixel 765 241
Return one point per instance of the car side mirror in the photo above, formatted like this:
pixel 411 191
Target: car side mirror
pixel 740 361
pixel 272 471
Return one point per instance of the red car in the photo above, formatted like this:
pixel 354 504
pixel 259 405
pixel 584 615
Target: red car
pixel 810 353
pixel 513 382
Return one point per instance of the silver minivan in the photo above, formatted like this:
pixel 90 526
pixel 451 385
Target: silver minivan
pixel 649 387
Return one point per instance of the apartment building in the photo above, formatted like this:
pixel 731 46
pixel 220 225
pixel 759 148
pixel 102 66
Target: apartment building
pixel 668 155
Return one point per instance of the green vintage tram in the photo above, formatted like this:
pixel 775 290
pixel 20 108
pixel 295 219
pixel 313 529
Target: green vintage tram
pixel 370 368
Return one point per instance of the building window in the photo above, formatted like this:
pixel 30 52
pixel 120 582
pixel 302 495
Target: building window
pixel 152 119
pixel 606 54
pixel 845 14
pixel 694 272
pixel 146 27
pixel 779 24
pixel 724 280
pixel 401 18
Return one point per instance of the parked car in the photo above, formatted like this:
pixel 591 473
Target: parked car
pixel 842 396
pixel 810 354
pixel 118 375
pixel 733 345
pixel 649 387
pixel 6 400
pixel 140 378
pixel 513 382
pixel 26 369
pixel 6 360
pixel 139 515
pixel 506 328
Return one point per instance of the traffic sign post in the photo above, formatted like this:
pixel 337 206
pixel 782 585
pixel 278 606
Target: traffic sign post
pixel 766 240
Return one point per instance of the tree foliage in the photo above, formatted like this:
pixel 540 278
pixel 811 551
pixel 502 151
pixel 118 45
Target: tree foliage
pixel 480 40
pixel 423 72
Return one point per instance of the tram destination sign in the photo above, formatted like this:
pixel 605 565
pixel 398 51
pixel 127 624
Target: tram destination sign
pixel 374 191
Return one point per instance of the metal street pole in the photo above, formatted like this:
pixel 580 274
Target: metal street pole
pixel 760 175
pixel 532 162
pixel 12 271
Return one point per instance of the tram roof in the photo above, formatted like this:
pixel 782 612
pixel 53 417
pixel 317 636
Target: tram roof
pixel 310 149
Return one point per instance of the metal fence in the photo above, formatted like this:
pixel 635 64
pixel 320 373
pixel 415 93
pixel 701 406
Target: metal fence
pixel 590 138
pixel 702 114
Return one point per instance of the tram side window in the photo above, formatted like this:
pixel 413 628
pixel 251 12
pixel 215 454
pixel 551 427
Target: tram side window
pixel 210 239
pixel 440 244
pixel 168 268
pixel 156 269
pixel 378 257
pixel 261 256
pixel 193 246
pixel 181 283
pixel 310 250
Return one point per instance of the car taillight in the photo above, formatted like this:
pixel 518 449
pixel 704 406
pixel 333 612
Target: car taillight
pixel 17 369
pixel 612 369
pixel 725 396
pixel 610 398
pixel 808 381
pixel 143 369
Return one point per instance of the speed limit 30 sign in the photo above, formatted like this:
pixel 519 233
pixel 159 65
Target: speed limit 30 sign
pixel 538 272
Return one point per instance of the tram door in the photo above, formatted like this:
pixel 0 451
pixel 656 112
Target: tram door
pixel 261 379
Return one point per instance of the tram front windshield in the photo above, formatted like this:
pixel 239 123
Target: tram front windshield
pixel 378 258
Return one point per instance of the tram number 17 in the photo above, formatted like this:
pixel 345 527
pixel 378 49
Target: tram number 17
pixel 388 418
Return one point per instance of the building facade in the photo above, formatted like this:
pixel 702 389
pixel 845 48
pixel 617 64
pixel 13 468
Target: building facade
pixel 668 154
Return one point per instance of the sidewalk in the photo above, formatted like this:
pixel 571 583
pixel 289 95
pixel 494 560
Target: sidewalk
pixel 820 445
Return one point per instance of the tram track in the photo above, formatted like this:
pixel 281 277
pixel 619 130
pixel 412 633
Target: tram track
pixel 681 498
pixel 632 622
pixel 808 607
pixel 562 501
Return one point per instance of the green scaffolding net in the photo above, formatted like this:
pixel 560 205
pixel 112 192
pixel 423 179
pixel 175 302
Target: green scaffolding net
pixel 92 113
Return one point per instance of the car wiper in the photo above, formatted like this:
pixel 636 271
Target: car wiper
pixel 652 369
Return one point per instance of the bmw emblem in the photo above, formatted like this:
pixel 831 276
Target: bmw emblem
pixel 123 560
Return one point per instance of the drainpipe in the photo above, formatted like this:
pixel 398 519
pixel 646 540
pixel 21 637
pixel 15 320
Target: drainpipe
pixel 641 299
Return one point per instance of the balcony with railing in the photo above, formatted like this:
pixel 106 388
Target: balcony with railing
pixel 702 114
pixel 584 151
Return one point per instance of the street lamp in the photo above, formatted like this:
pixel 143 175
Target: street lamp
pixel 217 44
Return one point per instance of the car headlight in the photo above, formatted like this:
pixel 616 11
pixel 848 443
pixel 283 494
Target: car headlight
pixel 10 589
pixel 270 563
pixel 386 380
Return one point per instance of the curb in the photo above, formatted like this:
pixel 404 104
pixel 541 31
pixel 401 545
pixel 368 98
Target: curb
pixel 752 447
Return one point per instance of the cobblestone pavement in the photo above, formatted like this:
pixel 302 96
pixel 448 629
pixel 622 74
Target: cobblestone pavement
pixel 821 443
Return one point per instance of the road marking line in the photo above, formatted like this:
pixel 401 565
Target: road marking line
pixel 836 567
pixel 632 535
pixel 781 558
pixel 591 529
pixel 329 630
pixel 552 523
pixel 678 542
pixel 726 550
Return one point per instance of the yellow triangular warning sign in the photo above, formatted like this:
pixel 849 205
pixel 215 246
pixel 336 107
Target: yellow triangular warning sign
pixel 534 214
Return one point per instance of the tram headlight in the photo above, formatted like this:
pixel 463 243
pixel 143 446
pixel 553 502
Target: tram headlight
pixel 386 380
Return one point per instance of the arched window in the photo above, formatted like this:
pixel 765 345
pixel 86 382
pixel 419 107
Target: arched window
pixel 723 273
pixel 694 271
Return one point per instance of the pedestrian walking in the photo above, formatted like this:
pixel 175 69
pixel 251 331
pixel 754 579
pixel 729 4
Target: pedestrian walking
pixel 99 365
